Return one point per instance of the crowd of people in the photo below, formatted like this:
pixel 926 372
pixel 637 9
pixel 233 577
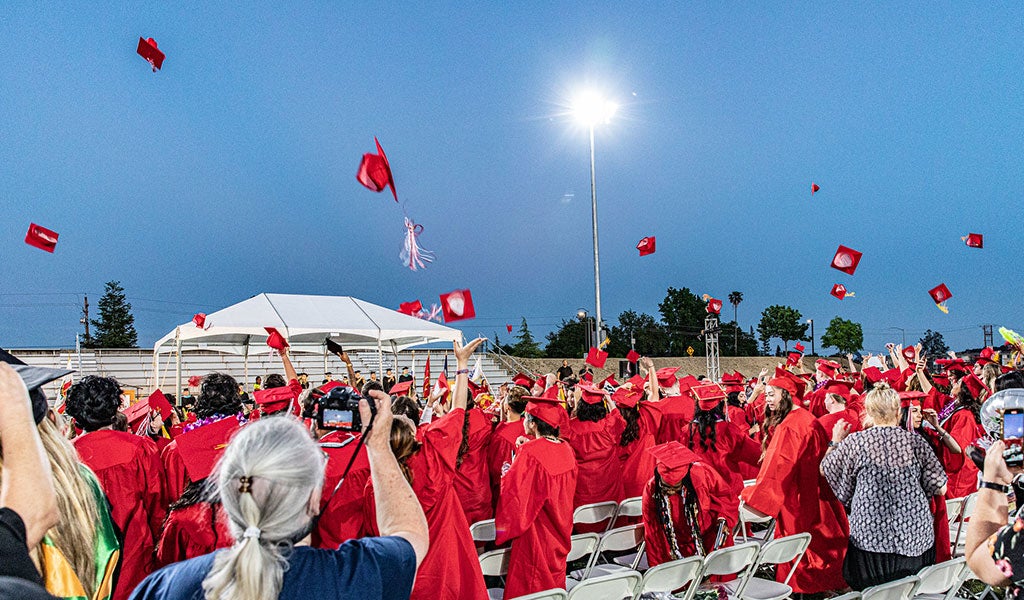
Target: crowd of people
pixel 363 488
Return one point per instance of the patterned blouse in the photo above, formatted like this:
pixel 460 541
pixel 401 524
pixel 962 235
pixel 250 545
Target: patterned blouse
pixel 1007 548
pixel 885 476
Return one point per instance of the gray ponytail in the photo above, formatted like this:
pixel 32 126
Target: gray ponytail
pixel 266 478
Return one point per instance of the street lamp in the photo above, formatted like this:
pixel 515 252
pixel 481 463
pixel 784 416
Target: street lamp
pixel 903 335
pixel 811 321
pixel 584 317
pixel 591 109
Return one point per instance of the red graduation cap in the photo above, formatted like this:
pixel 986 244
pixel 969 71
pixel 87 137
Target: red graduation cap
pixel 632 356
pixel 846 260
pixel 273 400
pixel 401 387
pixel 41 237
pixel 793 358
pixel 686 383
pixel 548 410
pixel 714 306
pixel 200 320
pixel 974 240
pixel 136 413
pixel 509 328
pixel 708 395
pixel 646 246
pixel 195 380
pixel 590 394
pixel 375 172
pixel 666 376
pixel 799 347
pixel 275 340
pixel 157 401
pixel 628 396
pixel 410 308
pixel 974 385
pixel 202 447
pixel 814 188
pixel 609 380
pixel 940 293
pixel 147 49
pixel 673 461
pixel 524 380
pixel 840 387
pixel 908 399
pixel 457 306
pixel 910 353
pixel 839 291
pixel 596 357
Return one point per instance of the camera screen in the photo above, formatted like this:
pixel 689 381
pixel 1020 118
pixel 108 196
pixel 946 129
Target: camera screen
pixel 1013 425
pixel 337 419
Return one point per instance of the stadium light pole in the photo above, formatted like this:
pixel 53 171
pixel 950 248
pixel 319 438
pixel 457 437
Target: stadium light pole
pixel 592 110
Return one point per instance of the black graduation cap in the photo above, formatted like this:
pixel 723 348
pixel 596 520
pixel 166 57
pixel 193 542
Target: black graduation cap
pixel 34 378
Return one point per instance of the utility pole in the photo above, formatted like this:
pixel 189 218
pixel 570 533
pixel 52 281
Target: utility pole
pixel 986 332
pixel 85 319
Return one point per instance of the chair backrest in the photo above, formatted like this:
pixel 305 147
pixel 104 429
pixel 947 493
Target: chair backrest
pixel 746 516
pixel 483 531
pixel 941 578
pixel 583 544
pixel 970 501
pixel 609 587
pixel 495 563
pixel 595 513
pixel 622 539
pixel 555 594
pixel 630 507
pixel 789 549
pixel 894 590
pixel 953 508
pixel 670 576
pixel 735 560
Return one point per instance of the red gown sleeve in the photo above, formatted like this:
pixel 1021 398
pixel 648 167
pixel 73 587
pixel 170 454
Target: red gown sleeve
pixel 769 493
pixel 172 544
pixel 522 492
pixel 441 441
pixel 744 449
pixel 153 487
pixel 174 473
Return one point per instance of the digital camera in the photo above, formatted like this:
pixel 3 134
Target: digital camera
pixel 339 410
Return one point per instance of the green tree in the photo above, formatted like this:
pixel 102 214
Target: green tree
pixel 735 298
pixel 526 347
pixel 649 335
pixel 116 326
pixel 682 313
pixel 843 335
pixel 569 340
pixel 783 322
pixel 932 345
pixel 746 343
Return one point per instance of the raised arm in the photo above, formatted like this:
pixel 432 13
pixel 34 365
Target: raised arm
pixel 27 487
pixel 652 379
pixel 289 370
pixel 462 354
pixel 398 511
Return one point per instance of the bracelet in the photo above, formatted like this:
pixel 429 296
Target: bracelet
pixel 462 372
pixel 832 444
pixel 995 486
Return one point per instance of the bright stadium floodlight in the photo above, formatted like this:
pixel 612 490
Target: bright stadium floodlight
pixel 591 109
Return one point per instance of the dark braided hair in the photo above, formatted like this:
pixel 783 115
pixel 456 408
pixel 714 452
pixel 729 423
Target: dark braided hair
pixel 218 395
pixel 591 412
pixel 464 445
pixel 660 494
pixel 194 493
pixel 705 426
pixel 93 402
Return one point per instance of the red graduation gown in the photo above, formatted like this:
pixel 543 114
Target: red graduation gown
pixel 731 450
pixel 341 512
pixel 472 481
pixel 175 478
pixel 535 514
pixel 962 474
pixel 500 451
pixel 715 501
pixel 193 531
pixel 596 446
pixel 676 414
pixel 637 462
pixel 129 471
pixel 791 488
pixel 828 422
pixel 816 402
pixel 451 568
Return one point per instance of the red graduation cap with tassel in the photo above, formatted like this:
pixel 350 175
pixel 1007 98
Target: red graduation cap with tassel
pixel 714 306
pixel 410 308
pixel 940 294
pixel 846 260
pixel 41 237
pixel 632 356
pixel 147 49
pixel 646 245
pixel 839 291
pixel 375 172
pixel 596 357
pixel 275 340
pixel 457 306
pixel 974 240
pixel 814 188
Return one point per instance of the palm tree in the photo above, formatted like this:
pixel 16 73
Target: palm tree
pixel 735 298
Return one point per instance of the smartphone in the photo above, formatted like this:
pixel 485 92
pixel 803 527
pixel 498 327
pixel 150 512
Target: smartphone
pixel 1013 436
pixel 337 419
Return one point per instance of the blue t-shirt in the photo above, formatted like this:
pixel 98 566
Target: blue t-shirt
pixel 381 567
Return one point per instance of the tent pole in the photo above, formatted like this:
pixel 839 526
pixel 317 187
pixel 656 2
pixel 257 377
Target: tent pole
pixel 156 370
pixel 380 358
pixel 177 344
pixel 245 361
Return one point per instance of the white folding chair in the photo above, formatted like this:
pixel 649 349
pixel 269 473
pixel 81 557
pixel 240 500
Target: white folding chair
pixel 495 564
pixel 894 590
pixel 734 560
pixel 747 517
pixel 941 581
pixel 483 531
pixel 630 507
pixel 584 545
pixel 555 594
pixel 599 512
pixel 616 586
pixel 623 539
pixel 671 576
pixel 958 533
pixel 789 549
pixel 848 596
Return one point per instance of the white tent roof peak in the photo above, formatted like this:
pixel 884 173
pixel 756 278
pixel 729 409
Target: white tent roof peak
pixel 305 320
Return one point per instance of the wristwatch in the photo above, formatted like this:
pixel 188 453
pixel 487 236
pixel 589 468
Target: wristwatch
pixel 996 486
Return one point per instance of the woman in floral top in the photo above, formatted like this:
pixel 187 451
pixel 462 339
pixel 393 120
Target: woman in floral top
pixel 995 550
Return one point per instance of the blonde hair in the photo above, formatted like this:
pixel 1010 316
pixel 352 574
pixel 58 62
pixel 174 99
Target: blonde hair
pixel 266 478
pixel 75 532
pixel 989 373
pixel 882 404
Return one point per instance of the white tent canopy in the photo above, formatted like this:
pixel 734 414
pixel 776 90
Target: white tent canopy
pixel 305 321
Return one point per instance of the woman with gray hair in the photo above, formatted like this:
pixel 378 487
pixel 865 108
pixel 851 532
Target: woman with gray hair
pixel 270 481
pixel 885 475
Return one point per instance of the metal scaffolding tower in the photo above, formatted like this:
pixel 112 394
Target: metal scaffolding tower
pixel 711 331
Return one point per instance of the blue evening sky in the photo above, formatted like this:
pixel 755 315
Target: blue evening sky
pixel 231 171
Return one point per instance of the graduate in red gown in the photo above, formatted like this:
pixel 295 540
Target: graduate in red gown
pixel 536 503
pixel 472 479
pixel 503 441
pixel 721 445
pixel 196 523
pixel 129 471
pixel 642 419
pixel 962 423
pixel 594 434
pixel 675 404
pixel 451 569
pixel 685 506
pixel 791 489
pixel 278 393
pixel 839 406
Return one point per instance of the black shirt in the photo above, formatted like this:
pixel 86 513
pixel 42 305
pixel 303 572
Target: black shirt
pixel 564 372
pixel 14 558
pixel 404 377
pixel 389 382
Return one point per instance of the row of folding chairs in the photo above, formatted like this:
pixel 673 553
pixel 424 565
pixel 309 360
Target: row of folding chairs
pixel 937 582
